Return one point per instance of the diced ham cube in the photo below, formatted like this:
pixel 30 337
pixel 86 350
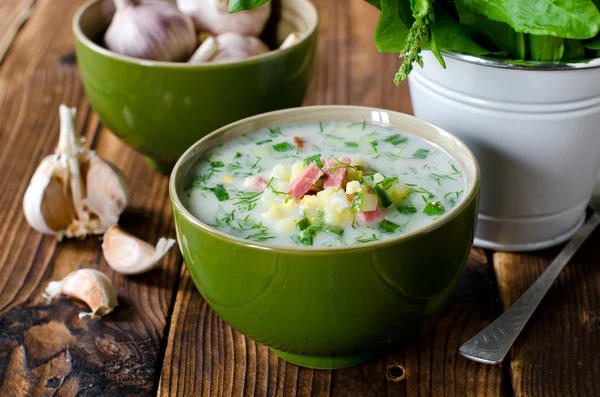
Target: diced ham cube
pixel 335 173
pixel 255 183
pixel 302 184
pixel 369 218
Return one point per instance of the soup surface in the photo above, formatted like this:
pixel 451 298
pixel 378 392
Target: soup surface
pixel 323 184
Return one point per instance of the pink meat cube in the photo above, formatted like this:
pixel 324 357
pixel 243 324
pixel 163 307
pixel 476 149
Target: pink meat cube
pixel 255 183
pixel 302 184
pixel 335 173
pixel 369 218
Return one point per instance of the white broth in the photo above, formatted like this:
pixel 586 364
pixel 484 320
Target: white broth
pixel 323 184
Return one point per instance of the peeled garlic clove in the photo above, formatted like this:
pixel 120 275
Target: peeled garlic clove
pixel 229 47
pixel 213 16
pixel 151 29
pixel 129 255
pixel 106 191
pixel 290 40
pixel 88 285
pixel 74 192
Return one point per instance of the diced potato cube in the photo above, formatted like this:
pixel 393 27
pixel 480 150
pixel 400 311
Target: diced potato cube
pixel 378 178
pixel 369 202
pixel 282 172
pixel 353 187
pixel 261 151
pixel 287 224
pixel 296 169
pixel 398 192
pixel 275 212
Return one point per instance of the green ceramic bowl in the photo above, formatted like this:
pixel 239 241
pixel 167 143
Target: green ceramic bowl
pixel 328 307
pixel 161 108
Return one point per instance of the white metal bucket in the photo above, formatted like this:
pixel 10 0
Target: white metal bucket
pixel 535 133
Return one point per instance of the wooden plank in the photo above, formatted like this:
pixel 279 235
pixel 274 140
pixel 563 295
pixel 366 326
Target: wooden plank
pixel 206 357
pixel 43 39
pixel 558 352
pixel 13 14
pixel 44 347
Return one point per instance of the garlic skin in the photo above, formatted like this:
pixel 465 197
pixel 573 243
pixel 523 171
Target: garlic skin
pixel 290 40
pixel 74 192
pixel 227 48
pixel 129 255
pixel 212 16
pixel 88 285
pixel 151 29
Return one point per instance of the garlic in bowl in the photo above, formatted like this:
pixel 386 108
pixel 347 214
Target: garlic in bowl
pixel 161 108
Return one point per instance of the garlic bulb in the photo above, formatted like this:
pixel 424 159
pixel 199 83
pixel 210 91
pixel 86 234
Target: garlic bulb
pixel 227 48
pixel 151 29
pixel 129 255
pixel 88 285
pixel 212 16
pixel 74 192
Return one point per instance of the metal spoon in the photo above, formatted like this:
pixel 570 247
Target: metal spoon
pixel 491 345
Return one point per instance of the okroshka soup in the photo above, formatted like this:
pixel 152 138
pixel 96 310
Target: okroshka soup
pixel 323 184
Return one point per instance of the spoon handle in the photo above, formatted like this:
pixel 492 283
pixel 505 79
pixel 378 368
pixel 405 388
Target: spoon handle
pixel 491 345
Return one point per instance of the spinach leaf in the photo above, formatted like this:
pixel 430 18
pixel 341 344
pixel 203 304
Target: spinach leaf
pixel 574 50
pixel 562 18
pixel 546 48
pixel 594 44
pixel 392 27
pixel 240 5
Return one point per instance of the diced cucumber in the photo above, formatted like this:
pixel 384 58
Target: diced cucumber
pixel 384 198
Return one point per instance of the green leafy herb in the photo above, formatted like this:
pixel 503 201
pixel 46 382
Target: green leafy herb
pixel 305 237
pixel 451 197
pixel 351 144
pixel 320 127
pixel 388 226
pixel 237 155
pixel 201 180
pixel 314 159
pixel 396 139
pixel 265 141
pixel 275 132
pixel 329 228
pixel 357 201
pixel 433 208
pixel 388 182
pixel 420 154
pixel 374 146
pixel 366 239
pixel 413 170
pixel 220 192
pixel 246 201
pixel 283 147
pixel 303 223
pixel 216 164
pixel 407 209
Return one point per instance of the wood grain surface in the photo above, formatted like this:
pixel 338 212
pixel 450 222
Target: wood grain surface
pixel 558 352
pixel 163 338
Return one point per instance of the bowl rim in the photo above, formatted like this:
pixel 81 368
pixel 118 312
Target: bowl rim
pixel 462 149
pixel 87 42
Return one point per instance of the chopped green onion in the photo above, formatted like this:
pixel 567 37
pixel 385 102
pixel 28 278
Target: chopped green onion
pixel 220 192
pixel 388 226
pixel 407 209
pixel 433 208
pixel 395 139
pixel 314 159
pixel 388 182
pixel 351 144
pixel 320 127
pixel 328 228
pixel 303 223
pixel 420 154
pixel 265 141
pixel 274 132
pixel 283 147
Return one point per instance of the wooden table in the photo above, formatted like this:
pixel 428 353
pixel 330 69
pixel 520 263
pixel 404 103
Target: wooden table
pixel 164 339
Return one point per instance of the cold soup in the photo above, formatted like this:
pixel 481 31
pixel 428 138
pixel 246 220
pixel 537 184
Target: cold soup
pixel 324 184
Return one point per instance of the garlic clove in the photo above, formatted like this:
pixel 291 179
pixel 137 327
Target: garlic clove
pixel 229 47
pixel 213 16
pixel 106 191
pixel 74 193
pixel 151 29
pixel 88 285
pixel 129 255
pixel 205 52
pixel 290 40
